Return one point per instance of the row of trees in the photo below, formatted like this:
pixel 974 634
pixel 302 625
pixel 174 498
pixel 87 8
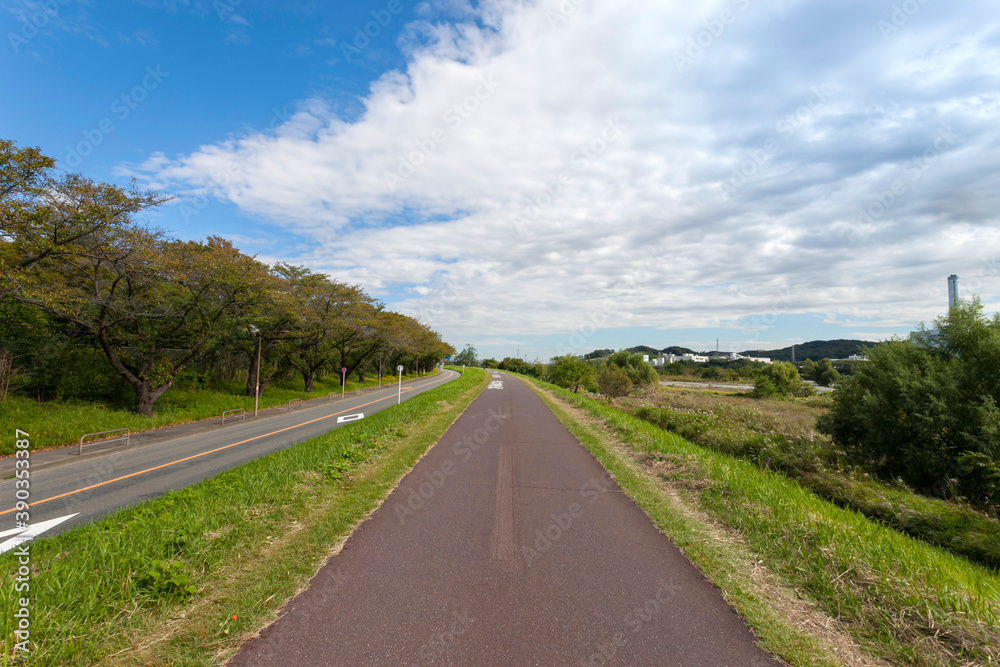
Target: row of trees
pixel 75 262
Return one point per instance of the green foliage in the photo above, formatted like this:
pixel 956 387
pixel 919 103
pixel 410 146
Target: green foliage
pixel 826 374
pixel 920 407
pixel 639 372
pixel 753 436
pixel 466 357
pixel 822 373
pixel 167 579
pixel 612 381
pixel 571 373
pixel 520 366
pixel 79 273
pixel 778 379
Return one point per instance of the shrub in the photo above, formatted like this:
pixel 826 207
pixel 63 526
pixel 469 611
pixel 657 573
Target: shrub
pixel 925 409
pixel 612 381
pixel 778 379
pixel 639 372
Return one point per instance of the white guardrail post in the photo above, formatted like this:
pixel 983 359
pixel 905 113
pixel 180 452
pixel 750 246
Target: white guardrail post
pixel 243 414
pixel 117 430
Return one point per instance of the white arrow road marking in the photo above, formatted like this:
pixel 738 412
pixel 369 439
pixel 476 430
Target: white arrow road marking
pixel 350 418
pixel 31 532
pixel 13 531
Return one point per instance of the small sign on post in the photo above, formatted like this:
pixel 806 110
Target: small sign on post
pixel 399 397
pixel 343 381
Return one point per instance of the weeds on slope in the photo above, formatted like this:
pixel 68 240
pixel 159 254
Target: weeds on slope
pixel 782 436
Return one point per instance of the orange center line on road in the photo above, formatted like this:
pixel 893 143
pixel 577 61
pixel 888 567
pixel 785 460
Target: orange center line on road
pixel 212 451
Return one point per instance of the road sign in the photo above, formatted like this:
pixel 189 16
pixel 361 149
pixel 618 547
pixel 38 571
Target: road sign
pixel 343 370
pixel 399 368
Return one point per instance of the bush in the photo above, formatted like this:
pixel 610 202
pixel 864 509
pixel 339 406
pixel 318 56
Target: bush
pixel 612 381
pixel 822 373
pixel 925 409
pixel 639 372
pixel 778 379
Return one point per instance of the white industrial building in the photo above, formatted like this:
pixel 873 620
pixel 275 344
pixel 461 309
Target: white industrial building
pixel 702 359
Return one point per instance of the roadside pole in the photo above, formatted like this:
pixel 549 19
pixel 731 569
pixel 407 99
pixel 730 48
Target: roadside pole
pixel 399 396
pixel 256 389
pixel 343 382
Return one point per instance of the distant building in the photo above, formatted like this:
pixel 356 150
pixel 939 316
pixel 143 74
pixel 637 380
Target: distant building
pixel 761 360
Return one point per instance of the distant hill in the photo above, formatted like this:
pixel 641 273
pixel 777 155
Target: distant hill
pixel 643 349
pixel 815 350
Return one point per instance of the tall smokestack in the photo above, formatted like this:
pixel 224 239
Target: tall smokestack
pixel 952 291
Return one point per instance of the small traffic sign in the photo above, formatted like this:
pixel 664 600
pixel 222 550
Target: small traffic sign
pixel 399 368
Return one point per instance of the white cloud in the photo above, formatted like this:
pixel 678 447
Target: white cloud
pixel 523 165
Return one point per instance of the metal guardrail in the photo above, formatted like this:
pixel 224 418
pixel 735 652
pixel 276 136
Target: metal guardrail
pixel 291 402
pixel 242 411
pixel 117 430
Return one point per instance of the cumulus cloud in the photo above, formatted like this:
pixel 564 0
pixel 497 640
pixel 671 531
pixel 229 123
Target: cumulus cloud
pixel 694 167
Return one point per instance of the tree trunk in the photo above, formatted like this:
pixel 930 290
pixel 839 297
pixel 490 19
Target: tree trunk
pixel 145 397
pixel 308 379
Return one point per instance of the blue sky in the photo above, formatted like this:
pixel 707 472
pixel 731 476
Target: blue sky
pixel 557 175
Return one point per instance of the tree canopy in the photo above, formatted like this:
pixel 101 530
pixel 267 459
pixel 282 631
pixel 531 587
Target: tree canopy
pixel 76 251
pixel 926 409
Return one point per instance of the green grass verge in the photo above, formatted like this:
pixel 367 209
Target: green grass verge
pixel 747 434
pixel 57 422
pixel 900 598
pixel 183 579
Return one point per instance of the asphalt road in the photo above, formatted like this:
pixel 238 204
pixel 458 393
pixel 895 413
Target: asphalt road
pixel 507 544
pixel 62 483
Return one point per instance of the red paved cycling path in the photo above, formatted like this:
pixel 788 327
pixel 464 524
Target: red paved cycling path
pixel 508 544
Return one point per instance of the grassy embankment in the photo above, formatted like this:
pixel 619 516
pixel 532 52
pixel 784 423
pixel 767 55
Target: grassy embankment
pixel 55 423
pixel 898 597
pixel 185 578
pixel 781 435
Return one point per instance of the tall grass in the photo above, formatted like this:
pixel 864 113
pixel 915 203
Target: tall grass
pixel 768 442
pixel 900 597
pixel 223 553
